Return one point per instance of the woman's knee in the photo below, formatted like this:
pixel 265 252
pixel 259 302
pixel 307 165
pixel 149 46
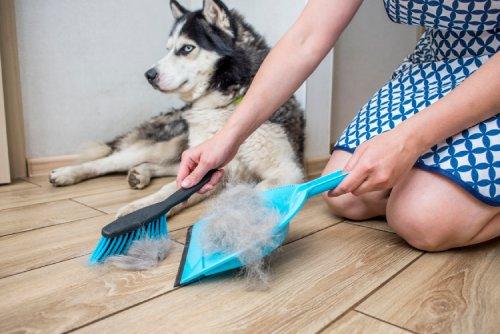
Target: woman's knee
pixel 422 230
pixel 348 206
pixel 433 214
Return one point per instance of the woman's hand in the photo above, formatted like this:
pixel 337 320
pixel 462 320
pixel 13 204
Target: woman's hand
pixel 378 163
pixel 216 152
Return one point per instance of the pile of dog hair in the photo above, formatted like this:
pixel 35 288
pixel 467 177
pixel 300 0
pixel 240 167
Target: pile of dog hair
pixel 238 221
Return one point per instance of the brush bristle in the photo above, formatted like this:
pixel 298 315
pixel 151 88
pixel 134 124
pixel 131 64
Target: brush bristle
pixel 119 245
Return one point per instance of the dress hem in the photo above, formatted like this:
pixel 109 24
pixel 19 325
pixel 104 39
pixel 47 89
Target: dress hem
pixel 449 176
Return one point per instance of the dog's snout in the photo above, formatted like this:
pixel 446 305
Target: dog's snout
pixel 151 74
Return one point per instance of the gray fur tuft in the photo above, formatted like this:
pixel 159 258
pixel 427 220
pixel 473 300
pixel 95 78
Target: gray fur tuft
pixel 240 222
pixel 143 254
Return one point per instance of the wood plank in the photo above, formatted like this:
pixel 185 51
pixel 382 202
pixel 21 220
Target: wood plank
pixel 37 248
pixel 376 224
pixel 42 215
pixel 47 193
pixel 315 280
pixel 455 291
pixel 313 217
pixel 16 185
pixel 358 323
pixel 110 202
pixel 66 295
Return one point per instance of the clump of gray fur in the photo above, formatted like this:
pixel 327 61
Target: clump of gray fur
pixel 143 254
pixel 238 221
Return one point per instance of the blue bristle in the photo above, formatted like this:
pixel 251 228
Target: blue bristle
pixel 106 247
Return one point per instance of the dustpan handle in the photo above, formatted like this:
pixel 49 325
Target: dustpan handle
pixel 323 183
pixel 137 219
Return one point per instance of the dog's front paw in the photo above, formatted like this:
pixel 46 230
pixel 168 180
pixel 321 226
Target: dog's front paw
pixel 63 176
pixel 137 180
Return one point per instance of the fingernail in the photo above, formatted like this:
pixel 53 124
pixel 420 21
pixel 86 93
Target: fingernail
pixel 186 184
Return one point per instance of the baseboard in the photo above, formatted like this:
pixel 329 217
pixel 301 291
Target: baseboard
pixel 43 166
pixel 315 166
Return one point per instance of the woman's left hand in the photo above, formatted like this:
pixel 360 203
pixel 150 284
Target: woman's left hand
pixel 379 163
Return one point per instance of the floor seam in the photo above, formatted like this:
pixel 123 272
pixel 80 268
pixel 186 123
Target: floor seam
pixel 88 206
pixel 385 321
pixel 122 310
pixel 42 227
pixel 353 307
pixel 372 228
pixel 45 265
pixel 32 204
pixel 53 225
pixel 31 182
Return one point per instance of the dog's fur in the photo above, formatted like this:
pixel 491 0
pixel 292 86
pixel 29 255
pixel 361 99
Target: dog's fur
pixel 212 57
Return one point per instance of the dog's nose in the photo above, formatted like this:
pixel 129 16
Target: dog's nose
pixel 151 74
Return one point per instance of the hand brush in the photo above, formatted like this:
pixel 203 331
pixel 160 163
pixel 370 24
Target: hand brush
pixel 148 222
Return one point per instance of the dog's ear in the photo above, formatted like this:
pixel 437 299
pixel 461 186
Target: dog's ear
pixel 177 10
pixel 216 13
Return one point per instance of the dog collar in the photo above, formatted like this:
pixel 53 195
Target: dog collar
pixel 238 100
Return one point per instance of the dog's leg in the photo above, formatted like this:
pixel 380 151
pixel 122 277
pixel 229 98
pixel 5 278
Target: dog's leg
pixel 120 161
pixel 140 176
pixel 288 172
pixel 161 195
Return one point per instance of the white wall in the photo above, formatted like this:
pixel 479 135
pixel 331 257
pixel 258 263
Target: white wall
pixel 271 19
pixel 367 53
pixel 82 64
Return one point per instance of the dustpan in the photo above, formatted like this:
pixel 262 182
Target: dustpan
pixel 286 200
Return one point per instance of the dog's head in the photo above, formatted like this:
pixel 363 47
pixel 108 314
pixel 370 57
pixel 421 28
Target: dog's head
pixel 209 49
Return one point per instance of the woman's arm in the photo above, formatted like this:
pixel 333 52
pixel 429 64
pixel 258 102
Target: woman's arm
pixel 379 163
pixel 286 67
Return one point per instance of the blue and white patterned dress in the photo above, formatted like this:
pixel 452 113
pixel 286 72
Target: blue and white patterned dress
pixel 460 36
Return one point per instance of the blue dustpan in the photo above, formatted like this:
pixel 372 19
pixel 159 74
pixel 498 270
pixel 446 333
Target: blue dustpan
pixel 287 200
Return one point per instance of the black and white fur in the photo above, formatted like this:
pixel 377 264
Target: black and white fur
pixel 212 56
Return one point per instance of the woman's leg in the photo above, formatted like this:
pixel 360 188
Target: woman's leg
pixel 432 213
pixel 349 206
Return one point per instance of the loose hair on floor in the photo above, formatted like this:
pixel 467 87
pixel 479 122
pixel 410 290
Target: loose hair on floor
pixel 143 254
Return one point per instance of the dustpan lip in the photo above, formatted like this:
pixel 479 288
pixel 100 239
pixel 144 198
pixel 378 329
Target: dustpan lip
pixel 180 271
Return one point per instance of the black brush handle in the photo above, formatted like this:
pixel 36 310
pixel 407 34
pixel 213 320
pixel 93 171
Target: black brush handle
pixel 136 219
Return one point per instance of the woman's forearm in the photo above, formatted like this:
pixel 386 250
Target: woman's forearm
pixel 289 63
pixel 476 99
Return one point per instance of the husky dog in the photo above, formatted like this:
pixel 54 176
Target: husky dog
pixel 212 57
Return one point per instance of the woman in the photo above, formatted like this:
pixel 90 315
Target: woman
pixel 425 150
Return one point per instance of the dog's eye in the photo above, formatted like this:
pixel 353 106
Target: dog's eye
pixel 186 49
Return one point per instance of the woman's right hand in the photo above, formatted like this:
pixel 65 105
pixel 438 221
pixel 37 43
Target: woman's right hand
pixel 214 153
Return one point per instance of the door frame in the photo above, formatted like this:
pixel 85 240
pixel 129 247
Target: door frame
pixel 11 91
pixel 4 151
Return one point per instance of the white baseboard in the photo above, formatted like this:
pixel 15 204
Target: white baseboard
pixel 43 166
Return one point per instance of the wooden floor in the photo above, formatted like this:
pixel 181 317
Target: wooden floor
pixel 332 276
